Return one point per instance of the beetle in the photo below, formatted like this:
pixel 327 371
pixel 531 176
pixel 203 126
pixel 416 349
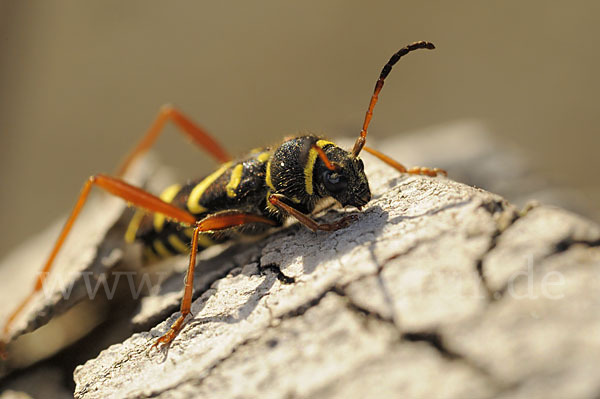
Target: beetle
pixel 243 196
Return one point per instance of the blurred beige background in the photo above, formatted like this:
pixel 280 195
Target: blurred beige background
pixel 81 81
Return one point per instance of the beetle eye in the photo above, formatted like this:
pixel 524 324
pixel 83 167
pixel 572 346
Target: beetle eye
pixel 334 182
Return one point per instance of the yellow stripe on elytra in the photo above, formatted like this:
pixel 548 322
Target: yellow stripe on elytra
pixel 310 165
pixel 161 249
pixel 263 157
pixel 134 225
pixel 234 181
pixel 203 239
pixel 268 177
pixel 193 202
pixel 179 245
pixel 167 195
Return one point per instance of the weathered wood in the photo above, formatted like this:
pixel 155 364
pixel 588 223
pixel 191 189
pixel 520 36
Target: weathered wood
pixel 439 289
pixel 94 247
pixel 421 297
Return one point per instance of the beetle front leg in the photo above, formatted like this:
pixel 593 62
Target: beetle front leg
pixel 278 201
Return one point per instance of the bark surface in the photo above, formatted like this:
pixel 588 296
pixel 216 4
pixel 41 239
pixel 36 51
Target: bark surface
pixel 438 289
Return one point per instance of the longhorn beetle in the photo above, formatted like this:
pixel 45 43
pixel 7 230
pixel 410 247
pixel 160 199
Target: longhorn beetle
pixel 245 196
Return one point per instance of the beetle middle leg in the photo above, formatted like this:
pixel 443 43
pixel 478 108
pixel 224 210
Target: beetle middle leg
pixel 219 221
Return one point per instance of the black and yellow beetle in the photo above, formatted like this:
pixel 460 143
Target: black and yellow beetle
pixel 244 196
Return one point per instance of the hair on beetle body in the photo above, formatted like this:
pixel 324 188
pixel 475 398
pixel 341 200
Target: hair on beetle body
pixel 244 196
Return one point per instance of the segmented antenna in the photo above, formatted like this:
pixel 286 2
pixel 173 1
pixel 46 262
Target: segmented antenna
pixel 360 142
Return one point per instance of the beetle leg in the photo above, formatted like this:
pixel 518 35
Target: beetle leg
pixel 215 222
pixel 114 186
pixel 197 134
pixel 278 201
pixel 323 156
pixel 416 170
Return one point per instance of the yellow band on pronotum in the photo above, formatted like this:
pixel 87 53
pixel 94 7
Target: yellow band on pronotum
pixel 310 165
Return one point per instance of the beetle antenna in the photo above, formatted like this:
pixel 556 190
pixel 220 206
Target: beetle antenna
pixel 362 139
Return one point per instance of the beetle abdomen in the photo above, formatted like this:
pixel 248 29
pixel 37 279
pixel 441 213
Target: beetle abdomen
pixel 238 185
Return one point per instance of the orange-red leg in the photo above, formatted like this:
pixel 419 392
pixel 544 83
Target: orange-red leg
pixel 323 156
pixel 198 135
pixel 115 186
pixel 416 170
pixel 278 201
pixel 215 222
